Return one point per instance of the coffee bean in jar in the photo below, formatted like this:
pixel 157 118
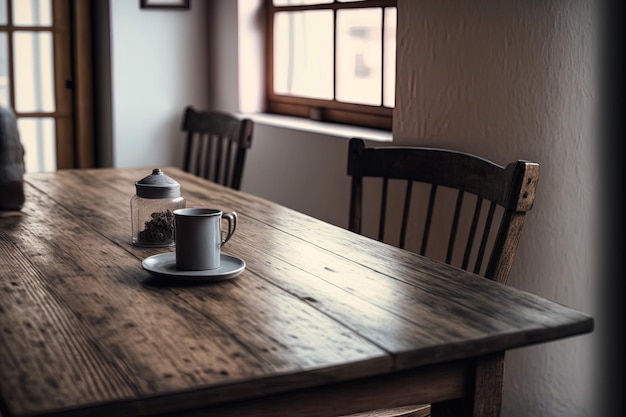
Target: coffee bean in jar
pixel 152 210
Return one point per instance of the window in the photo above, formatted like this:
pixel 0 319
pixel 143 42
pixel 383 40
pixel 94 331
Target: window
pixel 333 60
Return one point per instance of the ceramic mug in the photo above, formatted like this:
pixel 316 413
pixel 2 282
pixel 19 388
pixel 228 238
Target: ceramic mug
pixel 198 236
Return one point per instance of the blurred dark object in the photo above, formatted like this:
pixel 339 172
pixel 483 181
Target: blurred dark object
pixel 11 162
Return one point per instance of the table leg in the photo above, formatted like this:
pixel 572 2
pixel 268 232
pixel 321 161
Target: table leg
pixel 487 399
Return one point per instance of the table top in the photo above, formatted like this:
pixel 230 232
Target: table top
pixel 85 329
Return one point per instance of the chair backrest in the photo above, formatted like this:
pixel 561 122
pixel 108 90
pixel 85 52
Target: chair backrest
pixel 216 145
pixel 486 202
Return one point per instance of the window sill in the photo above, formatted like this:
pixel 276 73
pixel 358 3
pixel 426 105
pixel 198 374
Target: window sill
pixel 323 128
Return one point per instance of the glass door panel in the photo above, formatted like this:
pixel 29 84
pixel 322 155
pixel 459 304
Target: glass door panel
pixel 4 70
pixel 32 13
pixel 3 12
pixel 34 72
pixel 38 138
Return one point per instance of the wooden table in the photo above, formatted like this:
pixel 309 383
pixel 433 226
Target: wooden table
pixel 322 322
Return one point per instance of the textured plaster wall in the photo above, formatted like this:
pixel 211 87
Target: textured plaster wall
pixel 513 79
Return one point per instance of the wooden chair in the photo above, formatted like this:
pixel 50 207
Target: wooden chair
pixel 476 227
pixel 216 145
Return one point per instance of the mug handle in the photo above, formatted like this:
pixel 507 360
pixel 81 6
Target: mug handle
pixel 231 218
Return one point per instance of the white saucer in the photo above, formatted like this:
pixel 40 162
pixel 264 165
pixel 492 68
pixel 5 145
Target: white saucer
pixel 164 265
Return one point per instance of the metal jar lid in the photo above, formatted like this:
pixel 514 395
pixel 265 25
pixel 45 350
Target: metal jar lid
pixel 157 185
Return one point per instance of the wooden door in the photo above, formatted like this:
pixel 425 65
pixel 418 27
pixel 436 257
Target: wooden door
pixel 45 78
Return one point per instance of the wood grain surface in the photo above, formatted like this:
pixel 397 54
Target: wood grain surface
pixel 320 314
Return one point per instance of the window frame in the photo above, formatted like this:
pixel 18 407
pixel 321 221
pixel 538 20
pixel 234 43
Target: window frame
pixel 379 117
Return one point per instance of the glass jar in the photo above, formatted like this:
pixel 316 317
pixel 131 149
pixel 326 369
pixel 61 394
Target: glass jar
pixel 152 210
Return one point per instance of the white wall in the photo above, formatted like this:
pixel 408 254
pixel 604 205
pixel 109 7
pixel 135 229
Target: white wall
pixel 301 170
pixel 515 80
pixel 222 41
pixel 159 64
pixel 505 79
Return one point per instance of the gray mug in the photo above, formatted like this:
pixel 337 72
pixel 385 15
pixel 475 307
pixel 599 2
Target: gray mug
pixel 198 236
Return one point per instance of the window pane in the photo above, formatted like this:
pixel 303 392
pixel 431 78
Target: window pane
pixel 303 54
pixel 32 13
pixel 359 56
pixel 3 12
pixel 37 136
pixel 4 70
pixel 389 87
pixel 34 71
pixel 300 2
